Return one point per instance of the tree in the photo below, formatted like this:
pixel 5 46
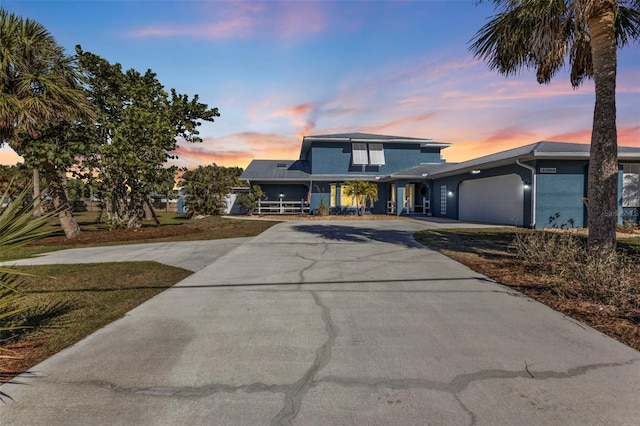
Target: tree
pixel 541 34
pixel 40 85
pixel 206 187
pixel 362 192
pixel 55 155
pixel 137 130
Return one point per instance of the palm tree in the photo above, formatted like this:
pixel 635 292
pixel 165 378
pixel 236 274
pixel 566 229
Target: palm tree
pixel 541 34
pixel 362 192
pixel 39 86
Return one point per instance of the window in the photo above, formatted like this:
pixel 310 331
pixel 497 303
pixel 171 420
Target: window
pixel 443 199
pixel 332 199
pixel 376 154
pixel 346 199
pixel 359 154
pixel 631 187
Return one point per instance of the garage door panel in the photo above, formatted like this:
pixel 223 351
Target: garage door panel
pixel 498 200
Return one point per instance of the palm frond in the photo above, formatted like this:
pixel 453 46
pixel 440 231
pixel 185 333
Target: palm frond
pixel 627 24
pixel 542 34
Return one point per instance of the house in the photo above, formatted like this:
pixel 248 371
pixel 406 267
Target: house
pixel 396 164
pixel 526 186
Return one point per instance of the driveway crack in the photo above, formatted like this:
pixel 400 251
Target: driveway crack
pixel 179 391
pixel 459 383
pixel 293 397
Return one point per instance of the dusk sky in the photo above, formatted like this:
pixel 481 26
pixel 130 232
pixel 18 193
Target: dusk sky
pixel 281 70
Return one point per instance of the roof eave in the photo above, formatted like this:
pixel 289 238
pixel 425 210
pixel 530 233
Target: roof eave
pixel 263 179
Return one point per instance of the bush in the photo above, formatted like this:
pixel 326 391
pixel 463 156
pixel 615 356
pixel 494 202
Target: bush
pixel 609 278
pixel 323 210
pixel 249 200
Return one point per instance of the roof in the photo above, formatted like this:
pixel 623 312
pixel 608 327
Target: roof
pixel 274 170
pixel 535 151
pixel 365 137
pixel 419 171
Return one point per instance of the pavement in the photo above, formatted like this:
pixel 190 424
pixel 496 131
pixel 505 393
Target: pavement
pixel 334 323
pixel 190 255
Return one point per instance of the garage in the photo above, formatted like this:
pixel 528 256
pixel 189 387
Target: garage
pixel 498 200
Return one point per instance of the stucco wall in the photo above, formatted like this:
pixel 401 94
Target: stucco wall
pixel 291 191
pixel 335 158
pixel 561 193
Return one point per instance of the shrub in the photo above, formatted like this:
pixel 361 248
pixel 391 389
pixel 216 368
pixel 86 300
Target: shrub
pixel 609 278
pixel 323 210
pixel 249 200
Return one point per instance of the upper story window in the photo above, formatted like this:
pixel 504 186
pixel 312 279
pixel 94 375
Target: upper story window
pixel 359 151
pixel 373 155
pixel 376 154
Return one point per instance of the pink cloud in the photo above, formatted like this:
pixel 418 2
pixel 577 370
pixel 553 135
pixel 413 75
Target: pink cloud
pixel 627 136
pixel 401 122
pixel 285 20
pixel 300 19
pixel 296 110
pixel 237 149
pixel 239 27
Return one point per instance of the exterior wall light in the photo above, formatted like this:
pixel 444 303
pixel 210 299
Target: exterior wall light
pixel 475 172
pixel 450 193
pixel 281 195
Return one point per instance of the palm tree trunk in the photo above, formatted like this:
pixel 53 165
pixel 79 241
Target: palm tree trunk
pixel 37 208
pixel 603 165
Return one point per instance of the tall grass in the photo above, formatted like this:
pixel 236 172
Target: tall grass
pixel 610 278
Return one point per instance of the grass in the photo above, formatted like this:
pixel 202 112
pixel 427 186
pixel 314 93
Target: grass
pixel 491 251
pixel 173 227
pixel 62 305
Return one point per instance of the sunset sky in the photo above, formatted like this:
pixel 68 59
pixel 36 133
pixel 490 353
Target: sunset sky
pixel 282 70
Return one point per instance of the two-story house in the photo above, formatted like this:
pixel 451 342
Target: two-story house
pixel 395 164
pixel 528 186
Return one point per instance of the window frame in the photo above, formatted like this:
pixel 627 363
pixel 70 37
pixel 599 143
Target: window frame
pixel 444 194
pixel 376 154
pixel 359 154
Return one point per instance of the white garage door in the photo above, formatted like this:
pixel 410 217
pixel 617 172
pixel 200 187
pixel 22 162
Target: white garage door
pixel 497 199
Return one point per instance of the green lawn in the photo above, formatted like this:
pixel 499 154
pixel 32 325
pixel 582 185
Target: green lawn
pixel 173 227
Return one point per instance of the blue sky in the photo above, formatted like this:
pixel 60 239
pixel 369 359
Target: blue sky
pixel 281 70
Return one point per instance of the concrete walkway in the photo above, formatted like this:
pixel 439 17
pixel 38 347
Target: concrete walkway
pixel 335 323
pixel 190 255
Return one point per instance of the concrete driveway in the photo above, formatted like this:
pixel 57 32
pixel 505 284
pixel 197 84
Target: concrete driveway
pixel 335 323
